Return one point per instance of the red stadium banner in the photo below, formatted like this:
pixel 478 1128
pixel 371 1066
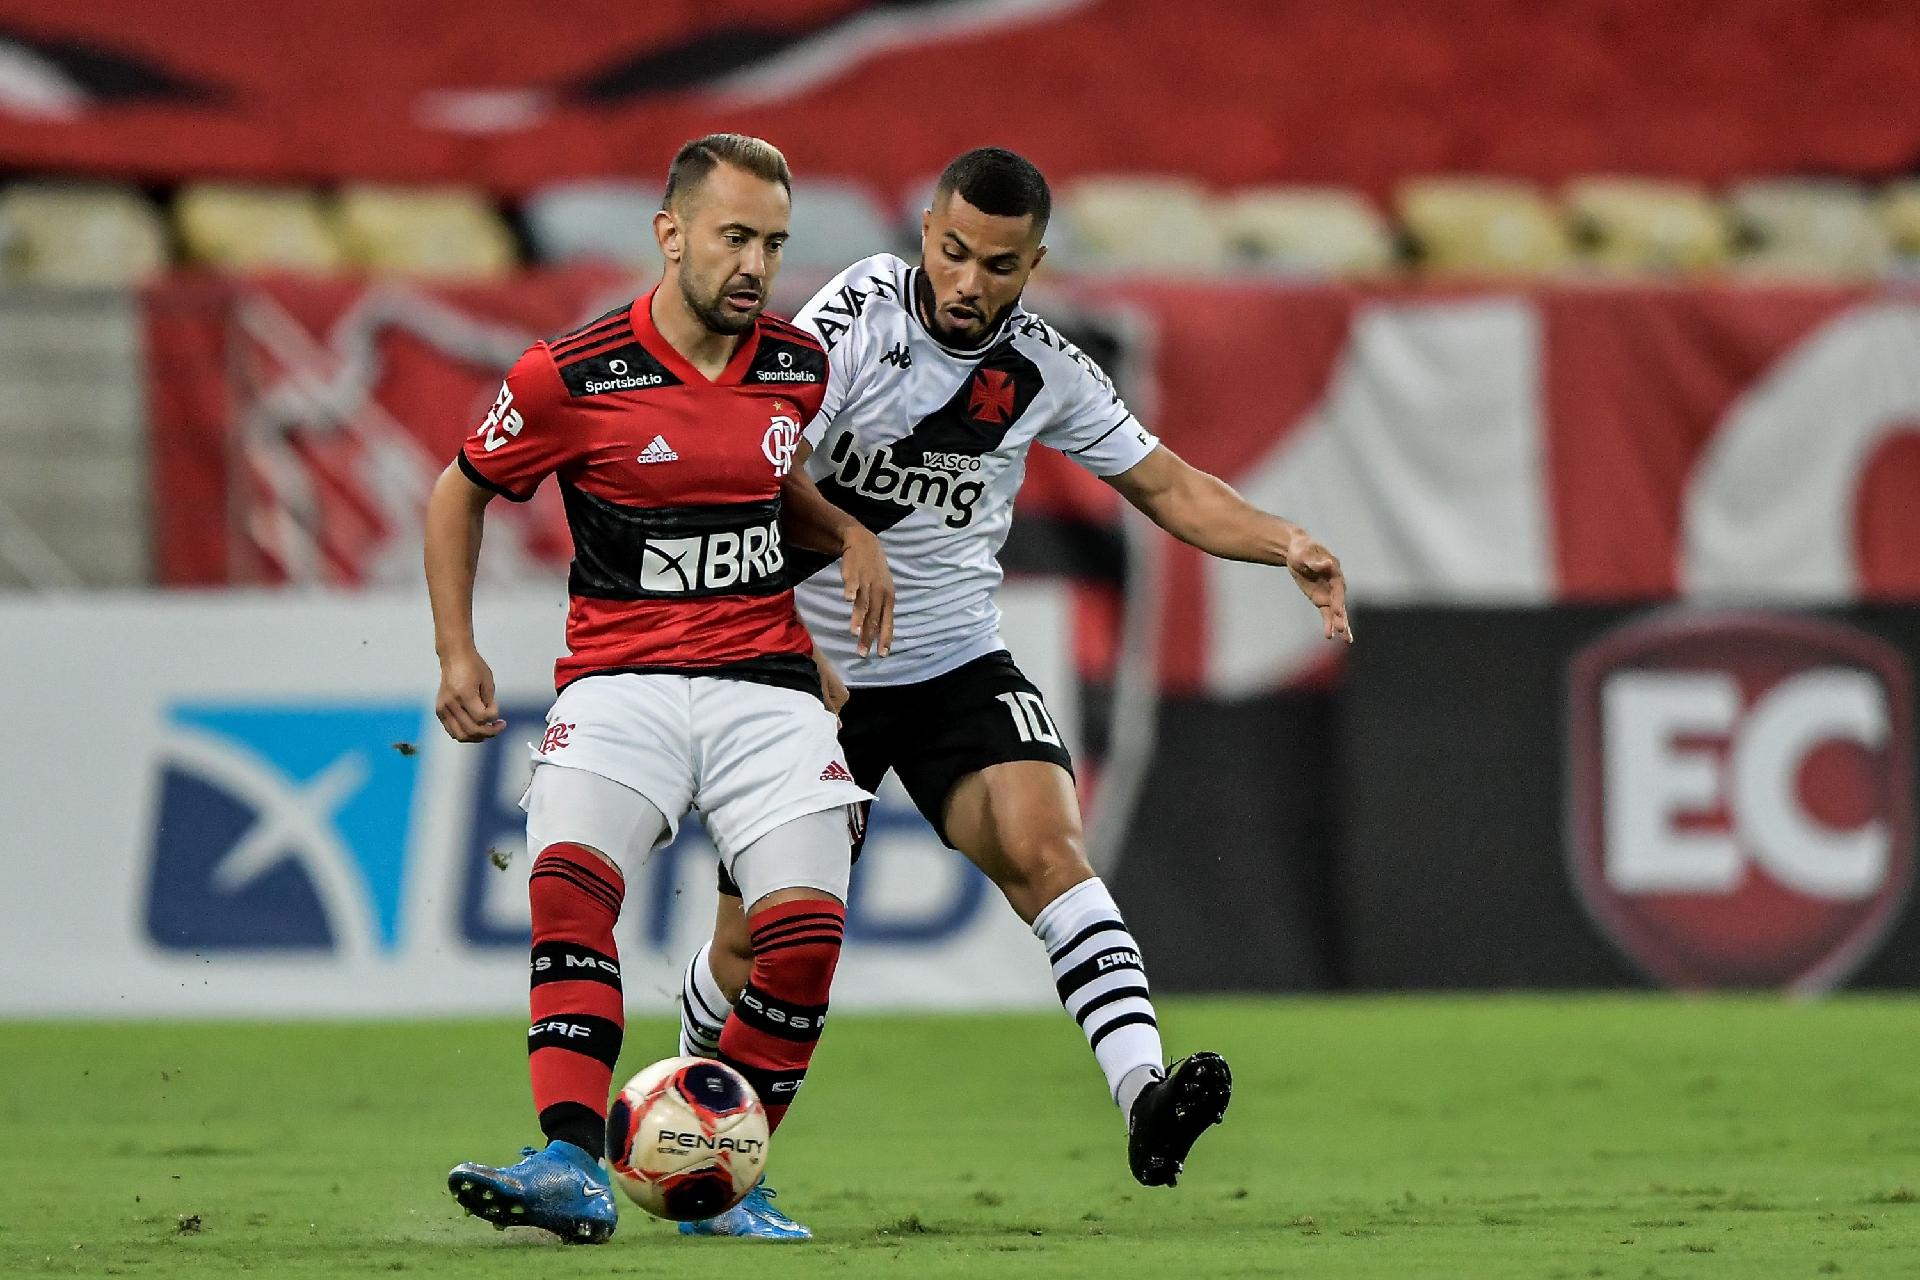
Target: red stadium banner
pixel 297 425
pixel 1562 444
pixel 510 96
pixel 1559 444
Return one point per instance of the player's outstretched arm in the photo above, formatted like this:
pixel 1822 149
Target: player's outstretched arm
pixel 809 520
pixel 465 704
pixel 1203 511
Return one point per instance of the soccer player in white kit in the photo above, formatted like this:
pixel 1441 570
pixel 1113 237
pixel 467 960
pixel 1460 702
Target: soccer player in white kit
pixel 940 382
pixel 671 426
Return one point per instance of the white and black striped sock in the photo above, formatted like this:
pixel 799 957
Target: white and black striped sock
pixel 703 1007
pixel 1097 971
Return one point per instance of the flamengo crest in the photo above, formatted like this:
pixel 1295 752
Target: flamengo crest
pixel 780 441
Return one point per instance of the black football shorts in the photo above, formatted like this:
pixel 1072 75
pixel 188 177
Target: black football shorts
pixel 936 732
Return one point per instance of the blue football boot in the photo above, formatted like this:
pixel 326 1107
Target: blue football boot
pixel 754 1218
pixel 561 1190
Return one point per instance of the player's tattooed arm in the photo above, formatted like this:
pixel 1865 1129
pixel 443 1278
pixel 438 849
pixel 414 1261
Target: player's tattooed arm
pixel 466 705
pixel 1203 511
pixel 808 520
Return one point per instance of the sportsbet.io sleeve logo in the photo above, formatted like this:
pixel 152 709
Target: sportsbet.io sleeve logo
pixel 1742 796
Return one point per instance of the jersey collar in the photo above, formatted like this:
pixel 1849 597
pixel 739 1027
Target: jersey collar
pixel 669 355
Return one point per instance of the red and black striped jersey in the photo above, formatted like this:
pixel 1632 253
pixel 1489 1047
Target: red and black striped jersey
pixel 671 482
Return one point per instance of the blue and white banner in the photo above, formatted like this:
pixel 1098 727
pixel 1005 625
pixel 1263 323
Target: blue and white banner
pixel 241 804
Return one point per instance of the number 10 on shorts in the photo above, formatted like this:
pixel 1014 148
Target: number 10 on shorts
pixel 1030 719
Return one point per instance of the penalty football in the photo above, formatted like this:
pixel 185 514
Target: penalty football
pixel 687 1139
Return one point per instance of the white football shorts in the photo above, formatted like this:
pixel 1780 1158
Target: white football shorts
pixel 750 757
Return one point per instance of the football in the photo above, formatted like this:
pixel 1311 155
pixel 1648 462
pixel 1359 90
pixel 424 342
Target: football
pixel 687 1139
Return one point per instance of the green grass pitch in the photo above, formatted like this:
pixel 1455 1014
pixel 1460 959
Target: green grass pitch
pixel 1479 1138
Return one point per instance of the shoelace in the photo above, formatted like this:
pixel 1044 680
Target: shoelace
pixel 761 1195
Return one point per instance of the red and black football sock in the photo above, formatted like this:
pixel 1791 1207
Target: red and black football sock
pixel 578 1018
pixel 770 1035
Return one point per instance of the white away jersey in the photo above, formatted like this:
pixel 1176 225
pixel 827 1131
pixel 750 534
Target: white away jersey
pixel 927 446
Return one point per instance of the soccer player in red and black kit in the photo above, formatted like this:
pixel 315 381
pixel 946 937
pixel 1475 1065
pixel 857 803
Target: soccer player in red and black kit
pixel 671 426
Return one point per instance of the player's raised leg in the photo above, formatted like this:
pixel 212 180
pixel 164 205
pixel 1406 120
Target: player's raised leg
pixel 577 822
pixel 1020 823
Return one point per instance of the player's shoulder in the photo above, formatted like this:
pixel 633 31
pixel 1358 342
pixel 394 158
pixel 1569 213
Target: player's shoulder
pixel 883 273
pixel 853 301
pixel 787 356
pixel 775 330
pixel 1041 341
pixel 614 326
pixel 601 357
pixel 1058 357
pixel 871 282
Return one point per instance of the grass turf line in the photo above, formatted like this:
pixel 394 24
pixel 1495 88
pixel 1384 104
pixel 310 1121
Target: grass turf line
pixel 1401 1139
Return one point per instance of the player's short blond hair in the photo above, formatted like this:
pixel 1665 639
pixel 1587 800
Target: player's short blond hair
pixel 696 159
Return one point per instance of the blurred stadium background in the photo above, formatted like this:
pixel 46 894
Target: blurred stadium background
pixel 1541 318
pixel 1587 334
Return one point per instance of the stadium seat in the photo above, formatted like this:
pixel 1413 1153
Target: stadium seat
pixel 606 221
pixel 1143 224
pixel 1326 230
pixel 1483 226
pixel 1636 224
pixel 1899 207
pixel 834 224
pixel 80 236
pixel 257 228
pixel 1809 228
pixel 440 232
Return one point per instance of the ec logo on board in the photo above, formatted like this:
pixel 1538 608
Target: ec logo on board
pixel 1742 796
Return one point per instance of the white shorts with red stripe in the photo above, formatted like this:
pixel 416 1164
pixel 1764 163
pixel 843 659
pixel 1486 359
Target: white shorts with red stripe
pixel 748 756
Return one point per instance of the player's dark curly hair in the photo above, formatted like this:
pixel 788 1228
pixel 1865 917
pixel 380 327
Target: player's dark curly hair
pixel 997 181
pixel 696 159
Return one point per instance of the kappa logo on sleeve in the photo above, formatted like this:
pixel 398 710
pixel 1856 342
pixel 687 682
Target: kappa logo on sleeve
pixel 282 827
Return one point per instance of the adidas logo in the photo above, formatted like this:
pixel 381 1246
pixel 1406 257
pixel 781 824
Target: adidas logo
pixel 658 451
pixel 836 772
